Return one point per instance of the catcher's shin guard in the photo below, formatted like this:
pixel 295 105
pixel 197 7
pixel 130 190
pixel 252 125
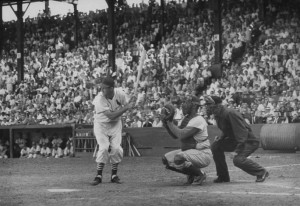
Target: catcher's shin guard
pixel 177 170
pixel 191 170
pixel 165 162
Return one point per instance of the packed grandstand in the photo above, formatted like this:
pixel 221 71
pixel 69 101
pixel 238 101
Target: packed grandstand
pixel 260 69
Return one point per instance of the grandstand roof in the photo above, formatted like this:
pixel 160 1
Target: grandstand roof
pixel 14 2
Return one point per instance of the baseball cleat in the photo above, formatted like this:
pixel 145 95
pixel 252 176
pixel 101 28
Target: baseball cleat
pixel 190 180
pixel 97 180
pixel 221 180
pixel 115 179
pixel 262 178
pixel 200 179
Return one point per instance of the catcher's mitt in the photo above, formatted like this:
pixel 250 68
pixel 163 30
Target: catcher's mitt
pixel 167 113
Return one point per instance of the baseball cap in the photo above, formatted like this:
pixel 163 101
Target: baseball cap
pixel 209 100
pixel 194 99
pixel 108 82
pixel 216 99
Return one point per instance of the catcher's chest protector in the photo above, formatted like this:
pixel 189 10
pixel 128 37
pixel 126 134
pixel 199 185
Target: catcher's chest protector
pixel 183 124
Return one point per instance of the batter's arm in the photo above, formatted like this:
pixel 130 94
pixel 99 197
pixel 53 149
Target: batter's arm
pixel 115 114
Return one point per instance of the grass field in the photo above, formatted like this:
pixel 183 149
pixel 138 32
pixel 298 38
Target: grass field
pixel 66 181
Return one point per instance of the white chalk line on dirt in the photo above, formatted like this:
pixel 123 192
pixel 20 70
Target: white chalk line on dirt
pixel 269 184
pixel 63 190
pixel 240 193
pixel 188 191
pixel 278 166
pixel 83 198
pixel 119 196
pixel 269 167
pixel 281 186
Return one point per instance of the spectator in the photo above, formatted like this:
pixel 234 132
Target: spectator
pixel 21 142
pixel 69 149
pixel 59 78
pixel 56 146
pixel 25 151
pixel 57 151
pixel 3 151
pixel 34 151
pixel 147 122
pixel 45 150
pixel 157 122
pixel 136 122
pixel 277 119
pixel 295 117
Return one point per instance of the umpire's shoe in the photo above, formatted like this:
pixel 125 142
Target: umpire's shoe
pixel 262 178
pixel 221 180
pixel 97 180
pixel 115 179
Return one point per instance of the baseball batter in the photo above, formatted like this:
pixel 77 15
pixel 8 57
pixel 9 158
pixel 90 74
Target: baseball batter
pixel 195 150
pixel 110 104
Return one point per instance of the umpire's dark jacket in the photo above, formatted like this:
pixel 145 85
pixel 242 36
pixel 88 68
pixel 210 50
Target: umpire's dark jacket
pixel 235 128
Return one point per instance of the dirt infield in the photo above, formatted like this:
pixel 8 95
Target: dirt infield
pixel 145 182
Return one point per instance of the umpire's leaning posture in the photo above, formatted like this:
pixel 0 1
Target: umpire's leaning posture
pixel 237 138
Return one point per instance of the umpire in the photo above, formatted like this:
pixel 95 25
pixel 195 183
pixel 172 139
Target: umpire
pixel 237 138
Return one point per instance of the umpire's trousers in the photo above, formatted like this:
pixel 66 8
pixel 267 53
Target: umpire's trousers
pixel 240 160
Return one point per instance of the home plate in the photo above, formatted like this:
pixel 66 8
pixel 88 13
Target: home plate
pixel 63 190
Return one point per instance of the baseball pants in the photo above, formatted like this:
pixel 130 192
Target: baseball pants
pixel 240 160
pixel 197 158
pixel 109 139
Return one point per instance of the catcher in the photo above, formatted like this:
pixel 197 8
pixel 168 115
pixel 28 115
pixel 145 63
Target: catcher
pixel 195 150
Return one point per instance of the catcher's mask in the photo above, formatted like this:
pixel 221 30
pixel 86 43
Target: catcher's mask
pixel 190 105
pixel 210 103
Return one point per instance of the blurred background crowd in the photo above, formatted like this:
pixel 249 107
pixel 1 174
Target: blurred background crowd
pixel 260 71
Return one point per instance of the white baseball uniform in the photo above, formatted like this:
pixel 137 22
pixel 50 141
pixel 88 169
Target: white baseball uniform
pixel 109 132
pixel 200 156
pixel 57 152
pixel 32 152
pixel 46 151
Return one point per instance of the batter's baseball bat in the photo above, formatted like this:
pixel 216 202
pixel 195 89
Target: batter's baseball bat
pixel 140 68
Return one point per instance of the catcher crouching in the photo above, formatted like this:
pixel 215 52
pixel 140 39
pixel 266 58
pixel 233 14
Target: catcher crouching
pixel 195 152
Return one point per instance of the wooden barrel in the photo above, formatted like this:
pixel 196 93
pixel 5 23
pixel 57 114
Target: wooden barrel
pixel 280 136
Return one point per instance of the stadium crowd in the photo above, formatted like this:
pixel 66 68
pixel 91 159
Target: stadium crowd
pixel 260 75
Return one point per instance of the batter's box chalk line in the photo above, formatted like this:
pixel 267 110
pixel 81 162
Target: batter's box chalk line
pixel 268 167
pixel 63 190
pixel 280 185
pixel 240 193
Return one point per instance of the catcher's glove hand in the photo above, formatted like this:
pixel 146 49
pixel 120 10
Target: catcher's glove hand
pixel 167 113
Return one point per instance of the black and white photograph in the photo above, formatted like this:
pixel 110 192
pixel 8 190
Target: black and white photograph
pixel 149 102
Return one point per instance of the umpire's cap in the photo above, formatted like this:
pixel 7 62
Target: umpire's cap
pixel 210 100
pixel 192 99
pixel 107 82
